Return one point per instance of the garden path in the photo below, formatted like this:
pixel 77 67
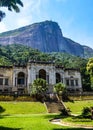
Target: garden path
pixel 60 122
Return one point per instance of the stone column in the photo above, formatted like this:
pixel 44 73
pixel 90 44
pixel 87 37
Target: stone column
pixel 52 79
pixel 3 81
pixel 47 78
pixel 15 81
pixel 31 76
pixel 14 78
pixel 63 77
pixel 37 75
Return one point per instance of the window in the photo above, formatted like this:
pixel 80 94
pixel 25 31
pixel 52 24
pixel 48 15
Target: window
pixel 21 78
pixel 6 81
pixel 72 82
pixel 58 78
pixel 76 82
pixel 67 82
pixel 1 81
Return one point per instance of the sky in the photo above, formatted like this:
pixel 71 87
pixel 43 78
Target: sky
pixel 75 17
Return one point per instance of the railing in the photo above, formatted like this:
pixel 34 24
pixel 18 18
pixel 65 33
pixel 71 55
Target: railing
pixel 21 86
pixel 80 93
pixel 5 86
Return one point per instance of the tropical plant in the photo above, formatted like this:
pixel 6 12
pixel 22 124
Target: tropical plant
pixel 59 88
pixel 86 112
pixel 39 88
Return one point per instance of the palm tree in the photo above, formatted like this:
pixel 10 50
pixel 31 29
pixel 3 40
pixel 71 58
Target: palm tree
pixel 59 88
pixel 11 5
pixel 39 88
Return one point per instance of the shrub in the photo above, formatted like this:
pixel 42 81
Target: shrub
pixel 25 98
pixel 86 112
pixel 6 98
pixel 64 112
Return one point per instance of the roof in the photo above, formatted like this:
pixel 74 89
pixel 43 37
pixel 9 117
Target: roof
pixel 41 62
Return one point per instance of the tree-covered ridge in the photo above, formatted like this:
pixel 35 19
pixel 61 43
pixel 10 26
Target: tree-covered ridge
pixel 14 53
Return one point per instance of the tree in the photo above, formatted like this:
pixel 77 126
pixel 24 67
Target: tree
pixel 59 88
pixel 39 87
pixel 90 70
pixel 11 5
pixel 86 84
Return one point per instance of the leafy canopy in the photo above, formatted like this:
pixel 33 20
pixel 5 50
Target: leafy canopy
pixel 59 88
pixel 39 86
pixel 10 5
pixel 90 70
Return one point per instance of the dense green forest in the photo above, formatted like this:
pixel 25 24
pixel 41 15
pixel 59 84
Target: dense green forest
pixel 19 54
pixel 15 54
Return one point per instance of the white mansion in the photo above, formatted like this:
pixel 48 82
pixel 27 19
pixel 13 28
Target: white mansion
pixel 17 79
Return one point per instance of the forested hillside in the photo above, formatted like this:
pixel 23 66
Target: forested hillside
pixel 15 54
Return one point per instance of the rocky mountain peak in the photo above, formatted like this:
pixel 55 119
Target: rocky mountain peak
pixel 45 36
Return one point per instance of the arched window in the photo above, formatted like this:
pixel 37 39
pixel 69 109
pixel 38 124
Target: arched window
pixel 58 78
pixel 21 78
pixel 42 74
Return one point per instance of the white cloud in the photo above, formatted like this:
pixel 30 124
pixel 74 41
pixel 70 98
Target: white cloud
pixel 2 27
pixel 22 22
pixel 30 10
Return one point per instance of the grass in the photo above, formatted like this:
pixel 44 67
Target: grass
pixel 31 122
pixel 28 122
pixel 26 116
pixel 23 107
pixel 30 116
pixel 76 120
pixel 77 106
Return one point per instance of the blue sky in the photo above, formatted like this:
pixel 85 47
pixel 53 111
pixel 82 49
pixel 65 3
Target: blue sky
pixel 75 17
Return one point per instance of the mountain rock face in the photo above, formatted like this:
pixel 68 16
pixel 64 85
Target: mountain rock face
pixel 45 36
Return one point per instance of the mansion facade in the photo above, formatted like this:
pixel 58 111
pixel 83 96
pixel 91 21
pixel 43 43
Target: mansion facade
pixel 18 79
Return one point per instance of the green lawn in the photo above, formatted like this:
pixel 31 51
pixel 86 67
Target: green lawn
pixel 31 122
pixel 23 107
pixel 28 116
pixel 75 120
pixel 77 106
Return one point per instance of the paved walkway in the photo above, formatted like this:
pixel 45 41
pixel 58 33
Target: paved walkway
pixel 60 122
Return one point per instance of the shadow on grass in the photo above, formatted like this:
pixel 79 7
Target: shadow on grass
pixel 7 128
pixel 81 119
pixel 3 116
pixel 1 111
pixel 53 116
pixel 72 129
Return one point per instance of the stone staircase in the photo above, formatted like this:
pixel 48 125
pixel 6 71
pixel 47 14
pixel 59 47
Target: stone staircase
pixel 54 105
